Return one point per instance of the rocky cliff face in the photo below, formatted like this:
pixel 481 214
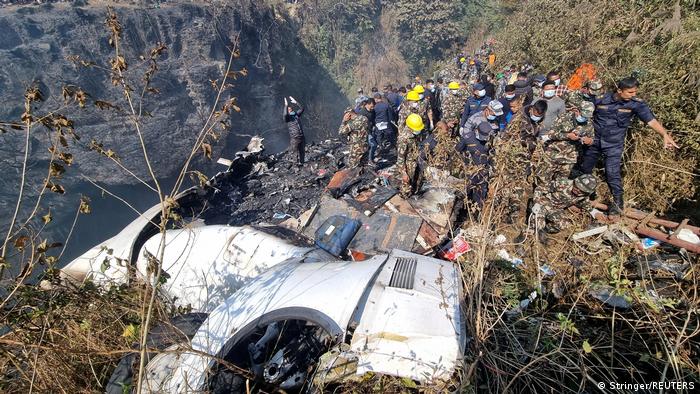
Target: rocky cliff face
pixel 35 42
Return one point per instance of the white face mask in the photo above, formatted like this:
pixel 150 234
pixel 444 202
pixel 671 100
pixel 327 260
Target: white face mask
pixel 491 117
pixel 548 93
pixel 535 118
pixel 581 119
pixel 509 96
pixel 557 82
pixel 421 96
pixel 481 93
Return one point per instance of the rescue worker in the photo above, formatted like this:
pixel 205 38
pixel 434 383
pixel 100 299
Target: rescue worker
pixel 555 105
pixel 452 105
pixel 292 118
pixel 611 119
pixel 355 127
pixel 425 106
pixel 591 90
pixel 407 169
pixel 561 89
pixel 433 97
pixel 477 102
pixel 513 158
pixel 563 144
pixel 382 132
pixel 550 204
pixel 439 150
pixel 474 143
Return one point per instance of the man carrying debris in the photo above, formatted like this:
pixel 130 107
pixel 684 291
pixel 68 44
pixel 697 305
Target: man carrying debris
pixel 292 117
pixel 355 126
pixel 549 204
pixel 612 117
pixel 407 171
pixel 564 143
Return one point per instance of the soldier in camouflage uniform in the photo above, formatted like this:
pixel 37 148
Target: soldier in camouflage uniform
pixel 513 149
pixel 550 204
pixel 452 106
pixel 564 142
pixel 439 150
pixel 355 127
pixel 413 105
pixel 407 170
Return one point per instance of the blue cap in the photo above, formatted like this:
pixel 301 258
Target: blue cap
pixel 478 86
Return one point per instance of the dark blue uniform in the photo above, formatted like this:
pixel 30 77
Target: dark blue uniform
pixel 611 119
pixel 472 106
pixel 474 146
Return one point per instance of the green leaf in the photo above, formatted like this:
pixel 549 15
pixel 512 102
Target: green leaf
pixel 409 383
pixel 130 332
pixel 587 347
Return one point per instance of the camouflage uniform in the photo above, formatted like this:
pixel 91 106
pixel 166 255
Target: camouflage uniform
pixel 550 204
pixel 356 130
pixel 407 170
pixel 438 150
pixel 413 107
pixel 452 106
pixel 560 153
pixel 513 151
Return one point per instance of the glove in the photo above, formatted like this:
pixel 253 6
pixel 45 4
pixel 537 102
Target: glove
pixel 292 100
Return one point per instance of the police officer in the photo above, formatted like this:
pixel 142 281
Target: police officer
pixel 474 144
pixel 477 102
pixel 612 117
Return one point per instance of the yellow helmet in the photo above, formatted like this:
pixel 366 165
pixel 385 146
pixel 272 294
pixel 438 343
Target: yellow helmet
pixel 453 85
pixel 419 89
pixel 415 123
pixel 412 96
pixel 462 59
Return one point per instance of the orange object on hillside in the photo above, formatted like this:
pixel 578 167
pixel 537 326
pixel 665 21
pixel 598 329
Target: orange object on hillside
pixel 583 74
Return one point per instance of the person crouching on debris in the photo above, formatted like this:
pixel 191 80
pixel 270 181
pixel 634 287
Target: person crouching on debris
pixel 355 126
pixel 549 204
pixel 408 171
pixel 292 117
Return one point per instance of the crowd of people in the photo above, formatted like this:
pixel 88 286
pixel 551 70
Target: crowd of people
pixel 543 136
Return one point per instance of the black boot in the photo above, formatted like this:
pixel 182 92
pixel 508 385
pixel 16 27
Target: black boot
pixel 617 206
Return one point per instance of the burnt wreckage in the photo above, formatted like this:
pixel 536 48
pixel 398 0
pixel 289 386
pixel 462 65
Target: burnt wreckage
pixel 293 275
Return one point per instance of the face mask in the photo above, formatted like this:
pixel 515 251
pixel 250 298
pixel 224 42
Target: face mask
pixel 414 105
pixel 548 93
pixel 292 113
pixel 557 82
pixel 455 92
pixel 535 118
pixel 481 93
pixel 421 96
pixel 491 117
pixel 581 119
pixel 509 96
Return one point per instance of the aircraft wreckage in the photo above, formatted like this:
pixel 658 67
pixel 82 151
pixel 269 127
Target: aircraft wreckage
pixel 300 277
pixel 330 291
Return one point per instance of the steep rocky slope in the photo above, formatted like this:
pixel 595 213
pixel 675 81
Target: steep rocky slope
pixel 35 44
